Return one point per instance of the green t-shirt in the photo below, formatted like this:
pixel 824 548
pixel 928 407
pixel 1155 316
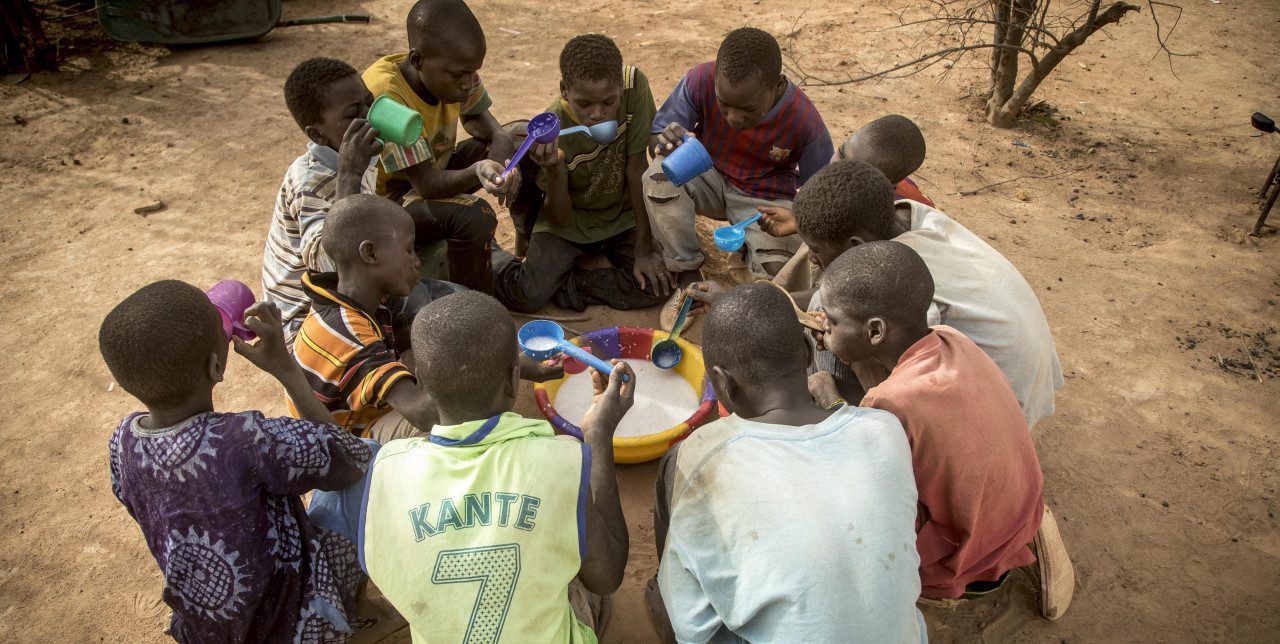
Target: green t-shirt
pixel 597 173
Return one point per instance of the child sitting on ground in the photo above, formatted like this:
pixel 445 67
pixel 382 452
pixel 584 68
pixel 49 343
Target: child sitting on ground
pixel 895 146
pixel 329 102
pixel 978 292
pixel 354 344
pixel 765 138
pixel 433 178
pixel 976 469
pixel 216 494
pixel 493 529
pixel 593 199
pixel 747 557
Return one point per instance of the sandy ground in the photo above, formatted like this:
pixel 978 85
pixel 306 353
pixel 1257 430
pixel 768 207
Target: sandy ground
pixel 1161 460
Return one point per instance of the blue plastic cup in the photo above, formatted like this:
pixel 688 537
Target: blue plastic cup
pixel 544 340
pixel 686 162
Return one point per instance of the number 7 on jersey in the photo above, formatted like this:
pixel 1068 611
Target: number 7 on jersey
pixel 496 568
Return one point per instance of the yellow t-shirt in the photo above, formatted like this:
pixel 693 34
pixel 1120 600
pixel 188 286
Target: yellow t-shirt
pixel 439 124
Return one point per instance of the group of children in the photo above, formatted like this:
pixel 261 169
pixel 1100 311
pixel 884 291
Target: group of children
pixel 884 461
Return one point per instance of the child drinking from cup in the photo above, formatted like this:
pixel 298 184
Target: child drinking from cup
pixel 589 194
pixel 329 103
pixel 977 290
pixel 217 494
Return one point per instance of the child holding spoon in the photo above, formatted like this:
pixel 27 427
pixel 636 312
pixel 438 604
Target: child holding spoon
pixel 589 200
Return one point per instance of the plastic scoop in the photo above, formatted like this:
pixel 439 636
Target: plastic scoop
pixel 730 238
pixel 602 133
pixel 805 318
pixel 544 340
pixel 395 122
pixel 543 128
pixel 667 354
pixel 231 298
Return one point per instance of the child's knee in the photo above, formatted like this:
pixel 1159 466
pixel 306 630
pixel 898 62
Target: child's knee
pixel 658 189
pixel 481 220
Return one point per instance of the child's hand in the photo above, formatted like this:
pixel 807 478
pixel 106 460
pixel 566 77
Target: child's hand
pixel 268 353
pixel 502 147
pixel 492 180
pixel 668 139
pixel 704 294
pixel 359 145
pixel 822 386
pixel 535 371
pixel 651 271
pixel 612 400
pixel 777 221
pixel 818 336
pixel 546 154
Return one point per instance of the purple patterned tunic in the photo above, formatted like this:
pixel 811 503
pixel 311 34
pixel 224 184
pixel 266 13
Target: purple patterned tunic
pixel 217 500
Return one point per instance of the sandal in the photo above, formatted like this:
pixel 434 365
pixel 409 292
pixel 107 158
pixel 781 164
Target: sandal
pixel 1057 577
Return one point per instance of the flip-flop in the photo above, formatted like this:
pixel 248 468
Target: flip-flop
pixel 667 317
pixel 1057 577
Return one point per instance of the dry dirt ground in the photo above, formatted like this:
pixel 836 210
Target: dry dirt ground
pixel 1161 460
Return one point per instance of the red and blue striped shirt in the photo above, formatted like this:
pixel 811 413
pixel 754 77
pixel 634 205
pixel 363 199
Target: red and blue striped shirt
pixel 769 161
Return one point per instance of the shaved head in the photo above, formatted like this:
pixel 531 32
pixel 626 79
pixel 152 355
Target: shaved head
pixel 357 218
pixel 158 340
pixel 465 348
pixel 844 199
pixel 437 26
pixel 893 144
pixel 752 333
pixel 885 279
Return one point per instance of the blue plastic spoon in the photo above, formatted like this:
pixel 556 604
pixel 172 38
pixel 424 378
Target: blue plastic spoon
pixel 544 340
pixel 602 133
pixel 667 354
pixel 731 238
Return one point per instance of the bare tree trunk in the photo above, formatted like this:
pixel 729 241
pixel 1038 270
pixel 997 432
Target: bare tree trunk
pixel 1001 18
pixel 1004 73
pixel 1003 113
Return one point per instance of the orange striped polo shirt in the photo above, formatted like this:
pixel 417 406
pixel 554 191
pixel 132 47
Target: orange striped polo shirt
pixel 351 358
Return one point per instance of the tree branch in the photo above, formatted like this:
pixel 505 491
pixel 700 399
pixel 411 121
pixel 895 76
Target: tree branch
pixel 1069 43
pixel 822 82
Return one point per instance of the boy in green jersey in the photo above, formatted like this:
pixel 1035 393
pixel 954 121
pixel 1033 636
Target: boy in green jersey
pixel 492 528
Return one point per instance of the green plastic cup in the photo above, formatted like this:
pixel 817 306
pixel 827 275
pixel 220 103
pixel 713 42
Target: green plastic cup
pixel 395 122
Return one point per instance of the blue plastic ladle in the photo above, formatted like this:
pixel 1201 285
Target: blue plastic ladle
pixel 602 133
pixel 543 128
pixel 730 238
pixel 667 354
pixel 544 340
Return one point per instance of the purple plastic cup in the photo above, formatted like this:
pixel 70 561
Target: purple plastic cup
pixel 232 298
pixel 686 162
